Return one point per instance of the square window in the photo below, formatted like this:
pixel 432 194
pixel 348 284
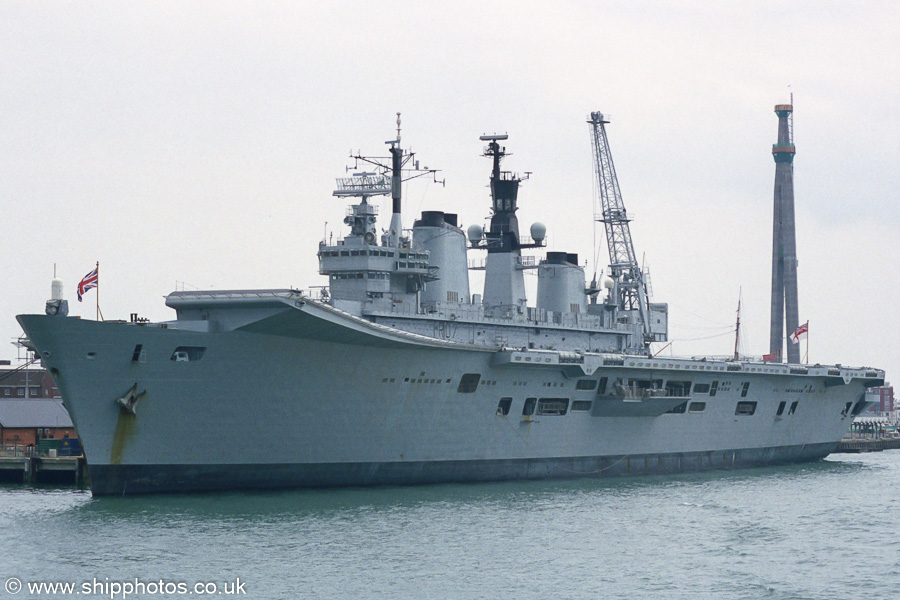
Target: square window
pixel 468 383
pixel 503 406
pixel 678 410
pixel 528 408
pixel 553 406
pixel 745 408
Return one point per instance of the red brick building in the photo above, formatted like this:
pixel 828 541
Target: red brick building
pixel 18 383
pixel 24 422
pixel 883 397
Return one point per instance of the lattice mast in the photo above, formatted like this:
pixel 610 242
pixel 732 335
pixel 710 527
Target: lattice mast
pixel 400 168
pixel 630 287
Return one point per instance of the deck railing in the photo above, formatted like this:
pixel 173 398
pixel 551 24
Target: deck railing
pixel 18 450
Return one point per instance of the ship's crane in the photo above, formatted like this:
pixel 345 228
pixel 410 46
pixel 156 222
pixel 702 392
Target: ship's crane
pixel 629 288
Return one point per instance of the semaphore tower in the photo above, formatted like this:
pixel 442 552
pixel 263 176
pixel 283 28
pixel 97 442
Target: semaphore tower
pixel 785 308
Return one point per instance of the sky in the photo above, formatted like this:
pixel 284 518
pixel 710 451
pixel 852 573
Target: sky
pixel 195 146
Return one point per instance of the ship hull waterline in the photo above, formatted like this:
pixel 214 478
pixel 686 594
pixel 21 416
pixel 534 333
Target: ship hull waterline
pixel 145 479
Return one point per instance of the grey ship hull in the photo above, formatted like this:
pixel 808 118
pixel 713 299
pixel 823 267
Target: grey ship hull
pixel 142 479
pixel 296 394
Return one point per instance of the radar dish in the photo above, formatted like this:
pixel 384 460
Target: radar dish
pixel 363 185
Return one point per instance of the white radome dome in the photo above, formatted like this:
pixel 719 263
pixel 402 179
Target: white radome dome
pixel 56 289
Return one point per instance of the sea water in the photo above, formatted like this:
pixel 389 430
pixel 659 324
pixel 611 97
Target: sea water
pixel 828 529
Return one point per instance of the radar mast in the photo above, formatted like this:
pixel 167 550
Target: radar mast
pixel 391 172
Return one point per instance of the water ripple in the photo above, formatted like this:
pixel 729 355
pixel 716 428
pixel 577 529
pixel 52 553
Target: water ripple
pixel 816 531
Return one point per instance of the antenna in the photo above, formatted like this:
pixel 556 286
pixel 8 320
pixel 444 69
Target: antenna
pixel 737 327
pixel 385 178
pixel 791 118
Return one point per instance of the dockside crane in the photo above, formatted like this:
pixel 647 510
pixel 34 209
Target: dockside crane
pixel 630 288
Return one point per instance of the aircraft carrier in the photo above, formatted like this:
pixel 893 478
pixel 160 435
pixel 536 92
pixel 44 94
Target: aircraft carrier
pixel 397 373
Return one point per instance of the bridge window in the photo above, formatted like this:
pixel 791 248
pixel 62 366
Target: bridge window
pixel 585 384
pixel 701 388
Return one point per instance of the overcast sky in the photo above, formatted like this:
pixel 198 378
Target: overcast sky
pixel 196 144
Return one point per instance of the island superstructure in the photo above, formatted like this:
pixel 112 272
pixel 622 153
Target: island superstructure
pixel 397 373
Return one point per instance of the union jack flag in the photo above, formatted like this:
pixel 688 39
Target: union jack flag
pixel 802 330
pixel 88 282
